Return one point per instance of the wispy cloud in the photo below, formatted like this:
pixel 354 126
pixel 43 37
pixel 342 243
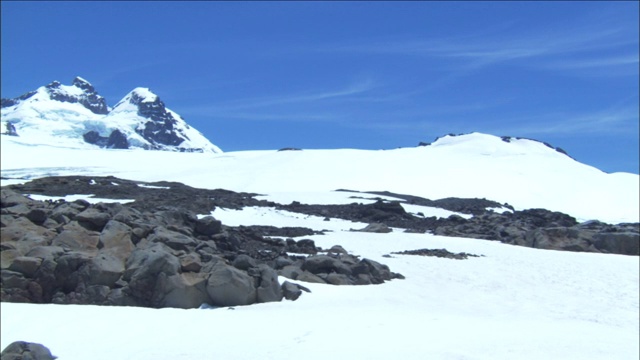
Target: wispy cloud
pixel 307 97
pixel 284 117
pixel 292 106
pixel 620 119
pixel 630 62
pixel 481 50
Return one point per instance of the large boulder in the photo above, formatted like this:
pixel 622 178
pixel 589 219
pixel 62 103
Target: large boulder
pixel 145 270
pixel 208 225
pixel 104 269
pixel 115 239
pixel 22 235
pixel 626 243
pixel 26 265
pixel 376 228
pixel 10 198
pixel 77 238
pixel 269 289
pixel 68 268
pixel 325 264
pixel 558 238
pixel 98 219
pixel 186 291
pixel 228 286
pixel 172 239
pixel 22 350
pixel 292 291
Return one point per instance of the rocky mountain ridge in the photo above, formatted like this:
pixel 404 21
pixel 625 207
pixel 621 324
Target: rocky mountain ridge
pixel 58 113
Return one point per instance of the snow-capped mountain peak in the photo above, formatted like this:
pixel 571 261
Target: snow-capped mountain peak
pixel 77 116
pixel 486 144
pixel 81 91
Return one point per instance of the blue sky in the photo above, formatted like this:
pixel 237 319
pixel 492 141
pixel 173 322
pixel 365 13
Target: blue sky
pixel 369 75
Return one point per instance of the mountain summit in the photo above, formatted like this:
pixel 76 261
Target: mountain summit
pixel 77 116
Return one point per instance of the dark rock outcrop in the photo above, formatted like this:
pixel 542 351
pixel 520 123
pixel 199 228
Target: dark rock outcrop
pixel 116 140
pixel 441 253
pixel 163 256
pixel 89 97
pixel 10 129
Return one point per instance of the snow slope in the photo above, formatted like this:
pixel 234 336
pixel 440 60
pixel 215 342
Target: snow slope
pixel 524 173
pixel 512 303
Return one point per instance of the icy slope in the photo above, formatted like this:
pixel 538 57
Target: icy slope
pixel 76 116
pixel 523 173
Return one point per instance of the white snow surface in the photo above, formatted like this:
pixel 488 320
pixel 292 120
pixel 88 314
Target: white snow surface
pixel 523 173
pixel 512 303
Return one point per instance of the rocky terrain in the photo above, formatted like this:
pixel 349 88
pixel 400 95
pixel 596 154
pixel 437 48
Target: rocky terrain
pixel 153 251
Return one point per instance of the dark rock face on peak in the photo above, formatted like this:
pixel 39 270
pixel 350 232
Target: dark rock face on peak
pixel 508 139
pixel 89 99
pixel 116 140
pixel 10 130
pixel 160 127
pixel 11 102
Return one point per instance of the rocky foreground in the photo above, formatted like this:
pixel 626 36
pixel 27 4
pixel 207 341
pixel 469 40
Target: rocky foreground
pixel 155 251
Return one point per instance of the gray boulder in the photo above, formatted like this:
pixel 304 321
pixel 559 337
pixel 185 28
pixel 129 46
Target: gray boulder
pixel 228 286
pixel 376 228
pixel 244 262
pixel 115 239
pixel 626 243
pixel 23 235
pixel 310 278
pixel 26 265
pixel 94 217
pixel 104 269
pixel 45 252
pixel 208 225
pixel 292 291
pixel 190 263
pixel 22 350
pixel 186 291
pixel 146 269
pixel 68 270
pixel 172 239
pixel 325 264
pixel 77 238
pixel 10 198
pixel 37 216
pixel 338 279
pixel 269 288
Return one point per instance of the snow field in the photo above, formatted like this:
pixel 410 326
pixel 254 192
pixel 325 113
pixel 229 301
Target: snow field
pixel 512 303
